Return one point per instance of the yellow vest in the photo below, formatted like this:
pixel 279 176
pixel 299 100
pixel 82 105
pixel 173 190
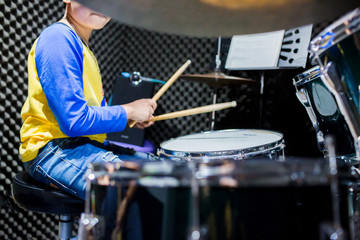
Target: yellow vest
pixel 40 125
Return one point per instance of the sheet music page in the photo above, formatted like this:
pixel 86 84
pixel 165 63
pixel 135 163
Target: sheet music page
pixel 294 49
pixel 254 51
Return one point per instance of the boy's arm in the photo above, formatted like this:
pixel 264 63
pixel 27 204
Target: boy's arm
pixel 59 62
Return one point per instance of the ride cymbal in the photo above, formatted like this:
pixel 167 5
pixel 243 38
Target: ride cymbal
pixel 212 18
pixel 216 79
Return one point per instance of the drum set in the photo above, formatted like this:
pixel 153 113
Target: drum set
pixel 237 183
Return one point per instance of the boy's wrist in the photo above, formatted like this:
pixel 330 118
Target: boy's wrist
pixel 129 111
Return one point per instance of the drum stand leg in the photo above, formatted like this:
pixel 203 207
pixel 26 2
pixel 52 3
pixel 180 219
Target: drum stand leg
pixel 353 208
pixel 87 220
pixel 195 230
pixel 334 230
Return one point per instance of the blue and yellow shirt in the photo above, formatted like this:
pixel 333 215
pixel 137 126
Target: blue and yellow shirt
pixel 65 96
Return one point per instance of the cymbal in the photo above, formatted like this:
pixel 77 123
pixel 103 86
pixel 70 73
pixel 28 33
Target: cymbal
pixel 216 79
pixel 212 18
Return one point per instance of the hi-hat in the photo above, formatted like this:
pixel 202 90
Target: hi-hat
pixel 212 18
pixel 216 79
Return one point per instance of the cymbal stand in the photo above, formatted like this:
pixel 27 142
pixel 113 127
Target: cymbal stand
pixel 215 90
pixel 262 77
pixel 212 120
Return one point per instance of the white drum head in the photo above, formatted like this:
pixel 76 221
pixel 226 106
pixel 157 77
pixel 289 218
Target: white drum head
pixel 224 140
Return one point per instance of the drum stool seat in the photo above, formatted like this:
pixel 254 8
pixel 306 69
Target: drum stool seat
pixel 37 197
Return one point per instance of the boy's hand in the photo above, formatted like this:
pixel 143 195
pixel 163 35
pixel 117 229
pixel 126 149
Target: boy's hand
pixel 140 110
pixel 143 125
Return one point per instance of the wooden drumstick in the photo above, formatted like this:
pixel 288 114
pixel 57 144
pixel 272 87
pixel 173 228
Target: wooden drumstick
pixel 194 111
pixel 166 85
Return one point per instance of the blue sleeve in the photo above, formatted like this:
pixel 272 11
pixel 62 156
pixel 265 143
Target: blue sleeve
pixel 59 63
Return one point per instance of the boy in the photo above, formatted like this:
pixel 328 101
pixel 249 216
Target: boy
pixel 65 115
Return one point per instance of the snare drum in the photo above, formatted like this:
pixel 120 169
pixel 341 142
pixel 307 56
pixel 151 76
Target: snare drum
pixel 339 43
pixel 225 144
pixel 323 111
pixel 227 199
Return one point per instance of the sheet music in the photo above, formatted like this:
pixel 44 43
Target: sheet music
pixel 255 51
pixel 297 41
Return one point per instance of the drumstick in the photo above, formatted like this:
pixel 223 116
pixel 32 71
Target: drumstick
pixel 167 85
pixel 194 111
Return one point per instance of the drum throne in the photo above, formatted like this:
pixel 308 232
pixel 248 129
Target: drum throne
pixel 37 197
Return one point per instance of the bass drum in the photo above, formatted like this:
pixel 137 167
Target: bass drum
pixel 216 200
pixel 224 144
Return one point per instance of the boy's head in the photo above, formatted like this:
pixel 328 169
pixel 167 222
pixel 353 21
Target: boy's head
pixel 85 16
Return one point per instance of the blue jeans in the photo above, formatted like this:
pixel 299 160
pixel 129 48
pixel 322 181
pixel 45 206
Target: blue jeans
pixel 62 162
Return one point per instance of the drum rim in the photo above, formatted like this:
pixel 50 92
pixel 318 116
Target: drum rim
pixel 241 153
pixel 307 76
pixel 298 172
pixel 338 30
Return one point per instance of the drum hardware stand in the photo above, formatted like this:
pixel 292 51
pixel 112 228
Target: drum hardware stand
pixel 262 82
pixel 354 213
pixel 293 54
pixel 333 83
pixel 215 90
pixel 212 120
pixel 195 233
pixel 87 220
pixel 334 231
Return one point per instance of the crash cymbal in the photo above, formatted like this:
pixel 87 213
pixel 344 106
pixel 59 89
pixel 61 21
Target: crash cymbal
pixel 216 79
pixel 211 18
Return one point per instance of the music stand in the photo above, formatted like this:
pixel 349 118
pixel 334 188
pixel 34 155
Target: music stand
pixel 292 54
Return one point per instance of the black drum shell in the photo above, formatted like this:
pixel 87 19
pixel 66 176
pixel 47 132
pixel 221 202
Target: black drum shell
pixel 309 83
pixel 272 200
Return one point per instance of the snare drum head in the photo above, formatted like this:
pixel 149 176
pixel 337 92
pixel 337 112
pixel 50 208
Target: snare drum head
pixel 233 140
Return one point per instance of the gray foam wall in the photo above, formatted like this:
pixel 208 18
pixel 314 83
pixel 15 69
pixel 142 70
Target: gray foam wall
pixel 120 48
